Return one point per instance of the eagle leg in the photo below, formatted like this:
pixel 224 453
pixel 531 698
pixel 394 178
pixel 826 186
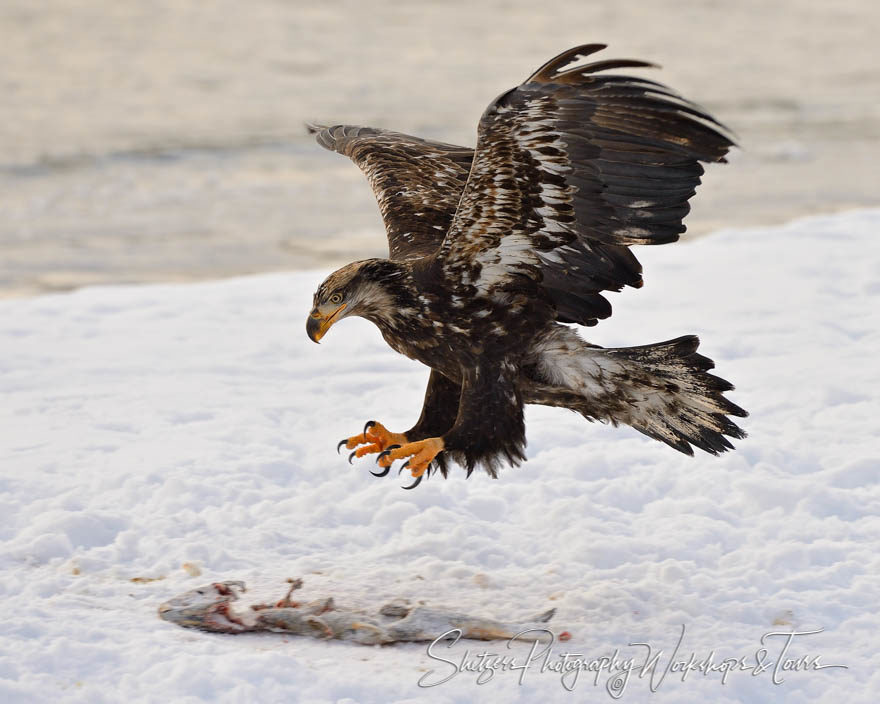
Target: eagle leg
pixel 375 438
pixel 421 454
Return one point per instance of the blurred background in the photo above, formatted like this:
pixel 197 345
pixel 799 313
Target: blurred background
pixel 162 140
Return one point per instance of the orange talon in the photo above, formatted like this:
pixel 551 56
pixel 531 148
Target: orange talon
pixel 421 454
pixel 368 449
pixel 375 438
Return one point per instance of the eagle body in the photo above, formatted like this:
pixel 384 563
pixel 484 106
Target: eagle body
pixel 493 251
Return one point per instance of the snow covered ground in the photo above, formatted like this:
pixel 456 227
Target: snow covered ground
pixel 147 427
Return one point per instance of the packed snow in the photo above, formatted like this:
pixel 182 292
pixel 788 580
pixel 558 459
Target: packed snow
pixel 157 438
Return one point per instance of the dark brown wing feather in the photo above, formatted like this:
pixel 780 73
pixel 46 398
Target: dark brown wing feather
pixel 571 168
pixel 417 182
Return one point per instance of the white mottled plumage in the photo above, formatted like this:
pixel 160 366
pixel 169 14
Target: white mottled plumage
pixel 662 397
pixel 493 248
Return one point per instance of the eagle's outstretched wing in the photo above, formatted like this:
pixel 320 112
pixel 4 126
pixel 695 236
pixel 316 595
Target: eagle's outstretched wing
pixel 571 167
pixel 417 182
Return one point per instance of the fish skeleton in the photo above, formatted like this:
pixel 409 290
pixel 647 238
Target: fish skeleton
pixel 209 608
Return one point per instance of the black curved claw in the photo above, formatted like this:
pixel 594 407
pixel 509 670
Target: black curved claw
pixel 415 483
pixel 385 452
pixel 352 456
pixel 404 466
pixel 341 443
pixel 369 424
pixel 382 473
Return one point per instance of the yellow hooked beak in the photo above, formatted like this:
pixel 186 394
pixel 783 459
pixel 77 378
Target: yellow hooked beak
pixel 320 320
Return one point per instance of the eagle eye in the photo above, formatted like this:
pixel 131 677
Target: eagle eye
pixel 336 298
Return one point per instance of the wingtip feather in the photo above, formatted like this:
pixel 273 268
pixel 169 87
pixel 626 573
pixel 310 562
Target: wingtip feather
pixel 545 73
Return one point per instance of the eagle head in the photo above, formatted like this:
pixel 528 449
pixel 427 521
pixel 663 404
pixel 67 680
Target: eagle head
pixel 371 289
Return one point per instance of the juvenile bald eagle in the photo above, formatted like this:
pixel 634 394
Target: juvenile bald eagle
pixel 493 249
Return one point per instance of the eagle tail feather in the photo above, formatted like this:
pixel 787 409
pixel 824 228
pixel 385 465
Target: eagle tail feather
pixel 663 390
pixel 675 398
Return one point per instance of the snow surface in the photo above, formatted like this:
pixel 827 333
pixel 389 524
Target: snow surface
pixel 148 427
